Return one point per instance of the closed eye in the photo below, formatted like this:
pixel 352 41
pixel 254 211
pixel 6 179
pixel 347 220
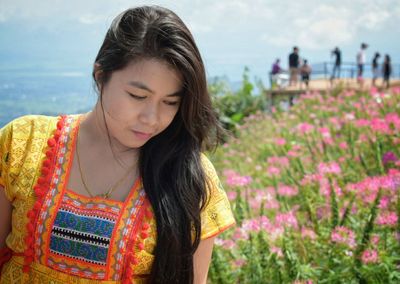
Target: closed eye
pixel 175 103
pixel 137 97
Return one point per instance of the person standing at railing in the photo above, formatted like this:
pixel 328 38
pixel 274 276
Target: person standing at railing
pixel 294 63
pixel 361 59
pixel 338 61
pixel 386 70
pixel 305 71
pixel 375 69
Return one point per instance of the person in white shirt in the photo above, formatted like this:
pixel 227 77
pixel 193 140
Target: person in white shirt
pixel 361 59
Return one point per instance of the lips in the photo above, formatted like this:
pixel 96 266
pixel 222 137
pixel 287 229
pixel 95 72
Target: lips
pixel 142 135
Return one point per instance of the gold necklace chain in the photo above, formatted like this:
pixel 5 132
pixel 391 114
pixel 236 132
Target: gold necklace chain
pixel 112 188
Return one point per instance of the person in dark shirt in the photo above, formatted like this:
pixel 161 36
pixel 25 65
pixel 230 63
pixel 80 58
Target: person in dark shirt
pixel 386 70
pixel 375 70
pixel 294 66
pixel 338 62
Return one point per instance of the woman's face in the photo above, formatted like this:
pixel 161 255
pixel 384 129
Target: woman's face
pixel 140 101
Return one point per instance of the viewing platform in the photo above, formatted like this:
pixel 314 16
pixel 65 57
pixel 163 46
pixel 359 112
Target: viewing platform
pixel 320 81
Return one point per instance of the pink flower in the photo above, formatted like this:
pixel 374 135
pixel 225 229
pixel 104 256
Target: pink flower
pixel 387 219
pixel 357 105
pixel 384 202
pixel 272 204
pixel 280 141
pixel 231 195
pixel 257 224
pixel 285 190
pixel 373 91
pixel 274 171
pixel 362 122
pixel 277 251
pixel 389 157
pixel 239 262
pixel 226 244
pixel 296 147
pixel 325 186
pixel 309 179
pixel 240 234
pixel 393 119
pixel 329 168
pixel 287 220
pixel 363 138
pixel 343 235
pixel 369 256
pixel 343 145
pixel 335 122
pixel 293 154
pixel 325 132
pixel 375 239
pixel 265 223
pixel 349 116
pixel 396 90
pixel 278 161
pixel 305 127
pixel 328 141
pixel 308 233
pixel 234 179
pixel 252 225
pixel 380 125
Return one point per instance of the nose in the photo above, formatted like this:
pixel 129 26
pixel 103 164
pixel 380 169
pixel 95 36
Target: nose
pixel 149 114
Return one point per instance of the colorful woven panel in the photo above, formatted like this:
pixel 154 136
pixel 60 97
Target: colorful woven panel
pixel 82 234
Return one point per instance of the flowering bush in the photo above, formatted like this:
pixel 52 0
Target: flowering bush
pixel 315 192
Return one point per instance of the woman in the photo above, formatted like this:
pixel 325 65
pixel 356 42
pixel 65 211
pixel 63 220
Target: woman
pixel 387 71
pixel 123 193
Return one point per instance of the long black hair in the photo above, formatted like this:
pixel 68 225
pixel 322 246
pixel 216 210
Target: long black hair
pixel 170 163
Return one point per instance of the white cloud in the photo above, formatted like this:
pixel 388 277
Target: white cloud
pixel 320 25
pixel 90 19
pixel 373 20
pixel 309 23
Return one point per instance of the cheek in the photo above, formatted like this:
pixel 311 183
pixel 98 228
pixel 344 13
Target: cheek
pixel 168 117
pixel 115 107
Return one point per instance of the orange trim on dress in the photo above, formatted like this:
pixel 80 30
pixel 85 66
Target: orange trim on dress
pixel 67 173
pixel 134 243
pixel 113 236
pixel 41 188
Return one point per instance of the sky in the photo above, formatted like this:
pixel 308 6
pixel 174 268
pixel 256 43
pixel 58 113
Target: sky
pixel 37 35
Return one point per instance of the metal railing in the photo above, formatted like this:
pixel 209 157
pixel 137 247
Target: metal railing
pixel 347 70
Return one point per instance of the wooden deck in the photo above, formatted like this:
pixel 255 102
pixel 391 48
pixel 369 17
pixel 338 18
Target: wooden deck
pixel 288 94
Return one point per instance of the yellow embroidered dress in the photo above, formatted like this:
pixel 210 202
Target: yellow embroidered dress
pixel 59 236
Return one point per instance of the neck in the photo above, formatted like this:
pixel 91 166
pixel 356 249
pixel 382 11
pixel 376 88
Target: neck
pixel 94 134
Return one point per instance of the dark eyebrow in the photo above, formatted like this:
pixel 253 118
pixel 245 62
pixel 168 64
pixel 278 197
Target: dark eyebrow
pixel 142 86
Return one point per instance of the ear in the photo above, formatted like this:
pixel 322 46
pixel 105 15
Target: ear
pixel 98 72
